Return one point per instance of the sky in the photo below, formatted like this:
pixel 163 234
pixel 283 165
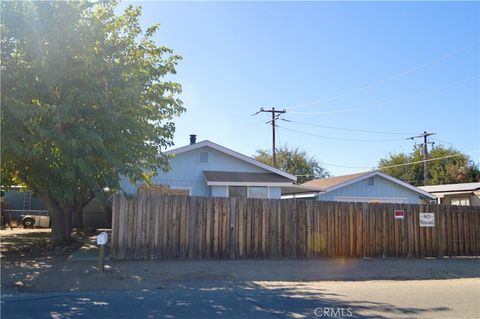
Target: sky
pixel 400 68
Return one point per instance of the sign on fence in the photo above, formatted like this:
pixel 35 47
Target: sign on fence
pixel 427 220
pixel 399 213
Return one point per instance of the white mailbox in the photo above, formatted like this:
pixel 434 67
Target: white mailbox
pixel 102 238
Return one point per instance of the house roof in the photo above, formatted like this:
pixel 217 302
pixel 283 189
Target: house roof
pixel 232 153
pixel 326 183
pixel 300 190
pixel 240 178
pixel 332 183
pixel 460 187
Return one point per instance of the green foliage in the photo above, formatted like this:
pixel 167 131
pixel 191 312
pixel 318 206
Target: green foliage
pixel 295 162
pixel 83 97
pixel 456 169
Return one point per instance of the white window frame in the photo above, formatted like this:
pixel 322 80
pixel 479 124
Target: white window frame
pixel 268 191
pixel 227 191
pixel 459 199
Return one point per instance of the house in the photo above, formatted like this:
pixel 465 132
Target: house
pixel 464 194
pixel 208 169
pixel 367 187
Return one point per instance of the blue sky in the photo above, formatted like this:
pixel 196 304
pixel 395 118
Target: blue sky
pixel 421 57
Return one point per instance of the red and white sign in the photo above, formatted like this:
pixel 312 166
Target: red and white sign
pixel 399 214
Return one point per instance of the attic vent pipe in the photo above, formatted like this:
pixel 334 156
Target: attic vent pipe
pixel 193 139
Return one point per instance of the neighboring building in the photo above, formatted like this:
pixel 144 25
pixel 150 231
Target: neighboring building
pixel 464 194
pixel 367 187
pixel 21 202
pixel 209 169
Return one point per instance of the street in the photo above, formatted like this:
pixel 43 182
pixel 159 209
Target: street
pixel 62 284
pixel 453 298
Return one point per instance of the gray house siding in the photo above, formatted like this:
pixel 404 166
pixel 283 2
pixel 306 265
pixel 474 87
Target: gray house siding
pixel 275 192
pixel 186 171
pixel 381 188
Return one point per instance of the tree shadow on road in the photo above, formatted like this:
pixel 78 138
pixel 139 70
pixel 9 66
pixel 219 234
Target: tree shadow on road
pixel 209 300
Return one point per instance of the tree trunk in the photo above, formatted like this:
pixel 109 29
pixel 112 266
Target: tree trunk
pixel 61 221
pixel 78 210
pixel 78 217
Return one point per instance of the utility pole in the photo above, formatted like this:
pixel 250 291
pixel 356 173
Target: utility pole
pixel 425 143
pixel 275 115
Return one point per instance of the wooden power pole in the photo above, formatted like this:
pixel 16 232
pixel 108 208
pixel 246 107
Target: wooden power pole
pixel 424 145
pixel 275 115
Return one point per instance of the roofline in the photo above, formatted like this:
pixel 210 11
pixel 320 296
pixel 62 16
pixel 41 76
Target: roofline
pixel 232 153
pixel 304 189
pixel 265 184
pixel 350 181
pixel 470 189
pixel 386 176
pixel 454 191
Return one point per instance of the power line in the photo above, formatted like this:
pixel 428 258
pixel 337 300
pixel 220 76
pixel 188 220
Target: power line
pixel 278 133
pixel 376 83
pixel 422 161
pixel 447 142
pixel 342 139
pixel 345 166
pixel 348 129
pixel 387 102
pixel 398 165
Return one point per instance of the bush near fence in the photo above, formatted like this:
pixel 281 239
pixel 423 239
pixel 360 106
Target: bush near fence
pixel 152 226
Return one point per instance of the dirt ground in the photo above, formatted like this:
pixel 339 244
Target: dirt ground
pixel 27 269
pixel 20 240
pixel 28 243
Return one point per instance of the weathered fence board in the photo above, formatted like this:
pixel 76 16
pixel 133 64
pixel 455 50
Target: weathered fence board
pixel 158 226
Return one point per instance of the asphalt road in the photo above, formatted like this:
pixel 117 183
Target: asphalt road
pixel 452 298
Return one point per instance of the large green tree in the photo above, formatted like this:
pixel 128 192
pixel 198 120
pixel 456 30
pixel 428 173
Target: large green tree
pixel 456 167
pixel 84 100
pixel 294 161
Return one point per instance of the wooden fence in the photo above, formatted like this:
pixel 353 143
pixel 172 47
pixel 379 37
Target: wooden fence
pixel 151 226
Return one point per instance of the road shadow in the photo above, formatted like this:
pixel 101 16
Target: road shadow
pixel 208 300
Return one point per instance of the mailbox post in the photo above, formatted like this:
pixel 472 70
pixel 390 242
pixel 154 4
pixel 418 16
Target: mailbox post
pixel 102 239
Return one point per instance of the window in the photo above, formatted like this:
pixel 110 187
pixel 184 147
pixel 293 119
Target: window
pixel 258 192
pixel 371 181
pixel 460 201
pixel 203 157
pixel 237 191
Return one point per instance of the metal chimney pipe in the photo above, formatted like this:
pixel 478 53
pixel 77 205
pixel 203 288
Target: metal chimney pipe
pixel 193 139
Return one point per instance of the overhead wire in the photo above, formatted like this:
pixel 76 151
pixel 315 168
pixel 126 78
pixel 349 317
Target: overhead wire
pixel 399 165
pixel 379 82
pixel 447 142
pixel 348 129
pixel 342 139
pixel 278 134
pixel 386 102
